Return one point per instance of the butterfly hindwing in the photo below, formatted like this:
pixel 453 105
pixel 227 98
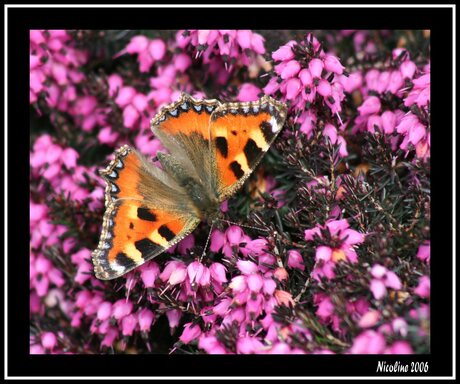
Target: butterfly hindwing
pixel 146 213
pixel 134 233
pixel 241 133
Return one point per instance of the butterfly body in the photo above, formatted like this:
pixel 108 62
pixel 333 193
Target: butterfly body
pixel 213 148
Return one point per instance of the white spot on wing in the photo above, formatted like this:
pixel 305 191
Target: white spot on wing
pixel 275 126
pixel 117 267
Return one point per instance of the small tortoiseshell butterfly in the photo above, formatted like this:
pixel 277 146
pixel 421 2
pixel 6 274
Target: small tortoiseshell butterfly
pixel 213 148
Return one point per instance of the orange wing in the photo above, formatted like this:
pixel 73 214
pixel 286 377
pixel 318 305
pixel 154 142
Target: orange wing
pixel 146 213
pixel 183 128
pixel 241 133
pixel 134 233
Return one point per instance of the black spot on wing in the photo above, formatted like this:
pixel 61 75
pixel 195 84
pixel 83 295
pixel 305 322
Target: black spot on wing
pixel 146 247
pixel 131 225
pixel 236 169
pixel 222 146
pixel 166 233
pixel 267 131
pixel 252 152
pixel 146 214
pixel 123 260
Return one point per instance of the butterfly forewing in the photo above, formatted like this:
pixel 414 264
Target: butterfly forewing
pixel 241 133
pixel 183 128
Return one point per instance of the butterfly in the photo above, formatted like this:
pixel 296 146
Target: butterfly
pixel 213 148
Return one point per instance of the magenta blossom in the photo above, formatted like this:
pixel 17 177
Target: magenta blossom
pixel 383 279
pixel 345 241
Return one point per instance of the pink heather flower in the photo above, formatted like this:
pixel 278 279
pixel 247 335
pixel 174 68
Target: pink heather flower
pixel 423 288
pixel 280 274
pixel 238 284
pixel 182 62
pixel 383 279
pixel 368 342
pixel 191 332
pixel 248 345
pixel 423 252
pixel 175 272
pixel 388 122
pixel 352 82
pixel 115 83
pixel 255 282
pixel 218 48
pixel 284 298
pixel 246 267
pixel 400 326
pixel 128 323
pixel 332 64
pixel 122 308
pixel 295 260
pixel 109 337
pixel 372 78
pixel 257 43
pixel 234 235
pixel 306 78
pixel 48 340
pixel 157 49
pixel 396 82
pixel 125 96
pixel 408 69
pixel 104 311
pixel 149 273
pixel 244 38
pixel 324 88
pixel 399 348
pixel 371 105
pixel 269 286
pixel 383 81
pixel 369 319
pixel 198 274
pixel 420 93
pixel 222 307
pixel 316 67
pixel 271 87
pixel 130 116
pixel 290 69
pixel 137 44
pixel 145 318
pixel 327 256
pixel 325 309
pixel 285 52
pixel 174 316
pixel 218 272
pixel 217 240
pixel 36 350
pixel 248 92
pixel 374 122
pixel 211 345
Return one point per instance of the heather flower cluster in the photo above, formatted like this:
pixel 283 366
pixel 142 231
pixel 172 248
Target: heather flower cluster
pixel 326 248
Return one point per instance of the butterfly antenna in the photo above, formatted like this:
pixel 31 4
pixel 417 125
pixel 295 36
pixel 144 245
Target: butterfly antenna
pixel 207 241
pixel 244 226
